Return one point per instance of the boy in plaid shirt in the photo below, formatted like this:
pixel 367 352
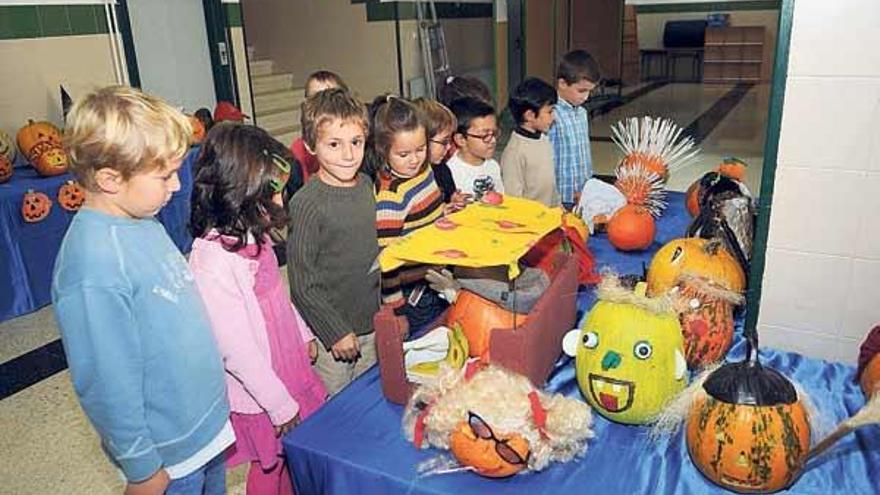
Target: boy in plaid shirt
pixel 576 75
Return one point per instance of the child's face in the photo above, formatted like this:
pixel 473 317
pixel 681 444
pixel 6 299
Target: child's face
pixel 480 139
pixel 145 193
pixel 339 150
pixel 543 120
pixel 315 86
pixel 407 153
pixel 576 93
pixel 439 145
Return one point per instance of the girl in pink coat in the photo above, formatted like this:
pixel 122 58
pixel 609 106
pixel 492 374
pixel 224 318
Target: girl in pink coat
pixel 266 346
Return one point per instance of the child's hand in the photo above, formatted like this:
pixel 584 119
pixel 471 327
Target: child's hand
pixel 313 351
pixel 282 430
pixel 154 485
pixel 347 348
pixel 459 200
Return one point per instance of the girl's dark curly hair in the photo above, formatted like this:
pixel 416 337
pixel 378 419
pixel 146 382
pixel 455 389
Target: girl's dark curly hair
pixel 238 172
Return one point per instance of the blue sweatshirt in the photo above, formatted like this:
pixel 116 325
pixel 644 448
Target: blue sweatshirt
pixel 142 356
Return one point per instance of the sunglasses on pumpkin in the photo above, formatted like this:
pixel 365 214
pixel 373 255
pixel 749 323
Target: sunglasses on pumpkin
pixel 484 432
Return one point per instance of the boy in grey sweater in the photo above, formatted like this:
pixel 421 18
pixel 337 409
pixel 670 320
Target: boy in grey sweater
pixel 332 239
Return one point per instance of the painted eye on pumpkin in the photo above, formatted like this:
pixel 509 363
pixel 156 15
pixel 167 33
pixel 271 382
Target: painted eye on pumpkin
pixel 642 350
pixel 591 340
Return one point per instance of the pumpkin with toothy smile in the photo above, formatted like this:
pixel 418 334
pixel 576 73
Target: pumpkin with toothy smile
pixel 629 354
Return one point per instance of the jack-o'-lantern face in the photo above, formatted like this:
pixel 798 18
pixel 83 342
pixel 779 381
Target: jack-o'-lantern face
pixel 629 361
pixel 474 444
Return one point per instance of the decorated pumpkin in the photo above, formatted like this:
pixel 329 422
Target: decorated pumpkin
pixel 652 143
pixel 198 130
pixel 5 169
pixel 477 317
pixel 7 147
pixel 71 196
pixel 629 353
pixel 632 228
pixel 40 142
pixel 706 318
pixel 35 206
pixel 495 422
pixel 749 447
pixel 694 256
pixel 474 444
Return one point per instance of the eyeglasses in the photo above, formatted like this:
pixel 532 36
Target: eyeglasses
pixel 445 142
pixel 486 138
pixel 482 430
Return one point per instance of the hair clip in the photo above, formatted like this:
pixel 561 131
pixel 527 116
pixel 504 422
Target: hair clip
pixel 449 79
pixel 276 185
pixel 280 162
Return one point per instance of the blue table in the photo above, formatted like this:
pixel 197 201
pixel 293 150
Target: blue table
pixel 28 250
pixel 354 443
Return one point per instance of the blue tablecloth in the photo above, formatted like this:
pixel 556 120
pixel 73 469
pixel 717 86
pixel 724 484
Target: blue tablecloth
pixel 28 250
pixel 354 443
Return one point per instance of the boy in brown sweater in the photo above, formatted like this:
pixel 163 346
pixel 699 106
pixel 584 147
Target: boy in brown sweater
pixel 332 241
pixel 527 162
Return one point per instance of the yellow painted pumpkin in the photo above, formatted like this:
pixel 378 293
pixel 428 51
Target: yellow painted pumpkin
pixel 629 354
pixel 694 256
pixel 474 444
pixel 477 317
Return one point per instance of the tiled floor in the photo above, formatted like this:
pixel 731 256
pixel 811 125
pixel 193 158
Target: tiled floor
pixel 46 444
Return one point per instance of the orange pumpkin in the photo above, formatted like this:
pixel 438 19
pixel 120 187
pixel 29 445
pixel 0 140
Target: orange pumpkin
pixel 198 130
pixel 733 168
pixel 694 256
pixel 35 206
pixel 40 142
pixel 868 371
pixel 481 449
pixel 706 321
pixel 870 380
pixel 5 169
pixel 632 228
pixel 653 163
pixel 71 196
pixel 748 448
pixel 478 317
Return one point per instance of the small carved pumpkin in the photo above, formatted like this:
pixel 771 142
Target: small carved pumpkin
pixel 5 169
pixel 695 256
pixel 631 228
pixel 7 147
pixel 35 206
pixel 474 444
pixel 478 317
pixel 41 144
pixel 198 130
pixel 71 196
pixel 706 319
pixel 629 354
pixel 750 431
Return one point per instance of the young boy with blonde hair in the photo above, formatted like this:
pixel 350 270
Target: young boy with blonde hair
pixel 332 240
pixel 142 357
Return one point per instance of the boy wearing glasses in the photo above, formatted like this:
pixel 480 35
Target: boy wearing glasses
pixel 576 75
pixel 473 167
pixel 527 161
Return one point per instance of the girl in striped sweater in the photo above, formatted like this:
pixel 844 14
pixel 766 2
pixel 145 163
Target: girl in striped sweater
pixel 407 198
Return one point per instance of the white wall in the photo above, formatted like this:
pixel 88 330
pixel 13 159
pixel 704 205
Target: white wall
pixel 821 290
pixel 171 44
pixel 37 66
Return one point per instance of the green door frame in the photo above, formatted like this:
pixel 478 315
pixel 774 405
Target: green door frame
pixel 768 173
pixel 124 27
pixel 220 50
